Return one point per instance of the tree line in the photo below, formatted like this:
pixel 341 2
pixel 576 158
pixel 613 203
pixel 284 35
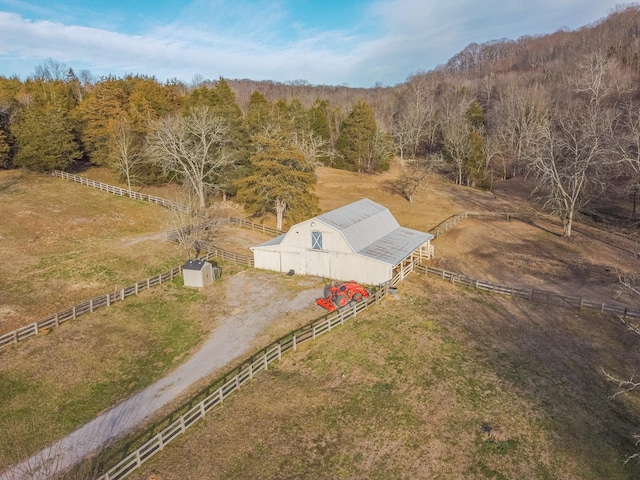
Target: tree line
pixel 152 132
pixel 559 110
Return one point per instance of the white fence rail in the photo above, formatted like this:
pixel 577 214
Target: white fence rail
pixel 85 307
pixel 534 295
pixel 246 372
pixel 123 192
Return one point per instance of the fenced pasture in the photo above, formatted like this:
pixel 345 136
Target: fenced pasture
pixel 122 192
pixel 503 388
pixel 61 244
pixel 232 381
pixel 209 252
pixel 533 295
pixel 262 363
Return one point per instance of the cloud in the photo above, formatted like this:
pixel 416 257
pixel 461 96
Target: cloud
pixel 169 52
pixel 386 41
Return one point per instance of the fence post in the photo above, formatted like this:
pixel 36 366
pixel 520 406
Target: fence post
pixel 91 305
pixel 108 296
pixel 74 312
pixel 602 308
pixel 15 336
pixel 294 342
pixel 122 294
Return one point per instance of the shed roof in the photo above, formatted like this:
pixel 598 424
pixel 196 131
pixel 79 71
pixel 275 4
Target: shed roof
pixel 194 265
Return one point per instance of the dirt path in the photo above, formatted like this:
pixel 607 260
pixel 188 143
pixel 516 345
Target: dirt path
pixel 231 339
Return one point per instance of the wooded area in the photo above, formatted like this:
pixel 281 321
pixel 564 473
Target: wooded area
pixel 560 110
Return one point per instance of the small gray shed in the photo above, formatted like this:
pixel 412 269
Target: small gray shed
pixel 197 273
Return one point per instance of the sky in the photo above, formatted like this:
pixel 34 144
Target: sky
pixel 359 43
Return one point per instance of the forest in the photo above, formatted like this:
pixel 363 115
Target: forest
pixel 559 113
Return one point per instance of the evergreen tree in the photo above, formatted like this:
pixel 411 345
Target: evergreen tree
pixel 107 100
pixel 45 138
pixel 5 148
pixel 361 146
pixel 258 116
pixel 281 181
pixel 320 127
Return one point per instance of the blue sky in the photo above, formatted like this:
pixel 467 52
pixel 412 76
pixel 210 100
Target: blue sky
pixel 333 42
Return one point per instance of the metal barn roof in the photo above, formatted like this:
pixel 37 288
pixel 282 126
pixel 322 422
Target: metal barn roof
pixel 395 246
pixel 361 223
pixel 372 231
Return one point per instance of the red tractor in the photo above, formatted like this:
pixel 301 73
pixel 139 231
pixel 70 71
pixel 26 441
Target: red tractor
pixel 337 296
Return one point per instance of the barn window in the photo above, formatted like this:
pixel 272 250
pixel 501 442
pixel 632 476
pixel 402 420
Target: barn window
pixel 316 240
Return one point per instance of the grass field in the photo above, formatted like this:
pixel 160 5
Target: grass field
pixel 440 382
pixel 62 243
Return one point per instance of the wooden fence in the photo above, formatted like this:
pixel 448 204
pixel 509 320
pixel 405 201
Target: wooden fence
pixel 85 307
pixel 231 382
pixel 540 296
pixel 209 250
pixel 453 220
pixel 123 192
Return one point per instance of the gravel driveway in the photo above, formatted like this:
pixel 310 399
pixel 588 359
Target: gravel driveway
pixel 252 308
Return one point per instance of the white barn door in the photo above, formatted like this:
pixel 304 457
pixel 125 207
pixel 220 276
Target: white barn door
pixel 318 264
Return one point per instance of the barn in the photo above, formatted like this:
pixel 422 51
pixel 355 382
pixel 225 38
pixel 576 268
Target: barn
pixel 361 241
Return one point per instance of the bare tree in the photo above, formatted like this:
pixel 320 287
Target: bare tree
pixel 414 175
pixel 312 146
pixel 628 150
pixel 126 149
pixel 192 148
pixel 515 122
pixel 51 70
pixel 574 146
pixel 416 121
pixel 189 225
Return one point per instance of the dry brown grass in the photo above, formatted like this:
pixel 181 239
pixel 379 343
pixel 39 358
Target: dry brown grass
pixel 441 382
pixel 62 243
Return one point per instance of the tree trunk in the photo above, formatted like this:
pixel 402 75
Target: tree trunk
pixel 280 208
pixel 567 224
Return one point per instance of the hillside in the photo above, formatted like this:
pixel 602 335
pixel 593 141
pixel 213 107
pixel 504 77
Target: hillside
pixel 440 381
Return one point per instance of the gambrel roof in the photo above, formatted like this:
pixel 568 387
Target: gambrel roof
pixel 372 231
